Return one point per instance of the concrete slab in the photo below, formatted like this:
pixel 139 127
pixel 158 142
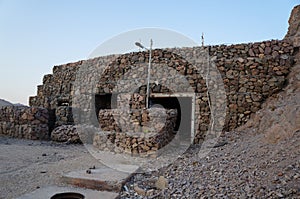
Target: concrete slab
pixel 102 179
pixel 48 192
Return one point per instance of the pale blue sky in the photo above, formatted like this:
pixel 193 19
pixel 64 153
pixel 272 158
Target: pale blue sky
pixel 35 35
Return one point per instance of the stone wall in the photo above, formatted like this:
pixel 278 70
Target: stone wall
pixel 65 133
pixel 24 122
pixel 147 120
pixel 250 72
pixel 140 136
pixel 64 116
pixel 55 92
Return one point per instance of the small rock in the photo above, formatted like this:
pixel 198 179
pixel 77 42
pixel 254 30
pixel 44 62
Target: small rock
pixel 220 144
pixel 149 192
pixel 251 53
pixel 240 59
pixel 125 188
pixel 296 176
pixel 139 190
pixel 161 183
pixel 88 171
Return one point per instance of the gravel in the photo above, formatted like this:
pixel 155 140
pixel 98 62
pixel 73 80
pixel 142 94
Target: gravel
pixel 246 167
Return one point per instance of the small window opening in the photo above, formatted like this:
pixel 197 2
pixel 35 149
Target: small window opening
pixel 63 103
pixel 105 101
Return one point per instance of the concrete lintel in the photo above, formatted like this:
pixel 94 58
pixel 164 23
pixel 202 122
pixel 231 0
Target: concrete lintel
pixel 172 94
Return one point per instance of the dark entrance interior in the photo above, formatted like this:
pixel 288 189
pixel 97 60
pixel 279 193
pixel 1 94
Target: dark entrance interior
pixel 68 195
pixel 184 110
pixel 105 101
pixel 61 102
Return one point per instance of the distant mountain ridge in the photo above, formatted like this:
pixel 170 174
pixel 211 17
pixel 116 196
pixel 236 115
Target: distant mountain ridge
pixel 7 103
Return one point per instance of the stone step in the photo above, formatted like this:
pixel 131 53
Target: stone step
pixel 51 191
pixel 102 179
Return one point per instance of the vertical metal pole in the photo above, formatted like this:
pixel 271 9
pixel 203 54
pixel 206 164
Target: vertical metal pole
pixel 148 80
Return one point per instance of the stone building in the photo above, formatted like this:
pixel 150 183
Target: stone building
pixel 209 89
pixel 195 92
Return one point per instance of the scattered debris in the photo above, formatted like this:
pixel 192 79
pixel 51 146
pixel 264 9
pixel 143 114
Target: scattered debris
pixel 88 171
pixel 220 144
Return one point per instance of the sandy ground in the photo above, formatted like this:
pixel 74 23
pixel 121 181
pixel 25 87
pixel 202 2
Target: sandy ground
pixel 27 165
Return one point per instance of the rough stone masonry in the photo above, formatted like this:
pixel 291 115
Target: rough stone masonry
pixel 250 73
pixel 24 122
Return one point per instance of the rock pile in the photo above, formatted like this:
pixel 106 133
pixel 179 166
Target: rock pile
pixel 246 167
pixel 24 122
pixel 65 133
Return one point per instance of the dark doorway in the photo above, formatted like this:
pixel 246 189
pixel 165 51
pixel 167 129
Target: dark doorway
pixel 105 101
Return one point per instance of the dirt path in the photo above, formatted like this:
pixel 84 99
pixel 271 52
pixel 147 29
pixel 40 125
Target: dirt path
pixel 26 165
